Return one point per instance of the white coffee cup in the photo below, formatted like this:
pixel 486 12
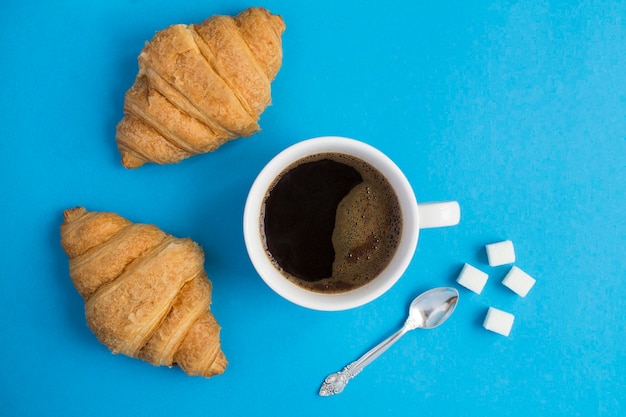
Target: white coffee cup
pixel 415 217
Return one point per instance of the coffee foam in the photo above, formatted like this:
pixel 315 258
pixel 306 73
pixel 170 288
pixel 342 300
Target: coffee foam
pixel 367 229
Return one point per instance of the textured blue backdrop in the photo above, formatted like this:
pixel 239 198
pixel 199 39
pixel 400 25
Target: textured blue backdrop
pixel 515 109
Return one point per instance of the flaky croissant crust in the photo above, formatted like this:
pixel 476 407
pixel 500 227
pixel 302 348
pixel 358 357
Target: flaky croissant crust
pixel 200 86
pixel 146 292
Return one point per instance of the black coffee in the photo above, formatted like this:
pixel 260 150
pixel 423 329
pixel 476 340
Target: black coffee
pixel 331 222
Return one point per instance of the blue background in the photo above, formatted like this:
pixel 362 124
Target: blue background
pixel 515 109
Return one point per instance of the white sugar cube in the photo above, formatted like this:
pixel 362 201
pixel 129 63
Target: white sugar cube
pixel 472 278
pixel 518 281
pixel 498 321
pixel 500 253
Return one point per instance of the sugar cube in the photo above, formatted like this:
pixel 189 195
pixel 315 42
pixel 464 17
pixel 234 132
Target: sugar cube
pixel 500 253
pixel 472 278
pixel 498 321
pixel 518 281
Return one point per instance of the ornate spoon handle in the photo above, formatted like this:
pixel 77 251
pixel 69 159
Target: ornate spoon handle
pixel 335 383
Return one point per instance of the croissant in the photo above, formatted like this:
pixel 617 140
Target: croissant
pixel 146 292
pixel 199 86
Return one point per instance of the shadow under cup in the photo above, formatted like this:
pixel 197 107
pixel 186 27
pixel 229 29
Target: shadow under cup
pixel 330 301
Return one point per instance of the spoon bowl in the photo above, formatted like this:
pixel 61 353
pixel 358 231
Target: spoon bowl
pixel 432 308
pixel 427 311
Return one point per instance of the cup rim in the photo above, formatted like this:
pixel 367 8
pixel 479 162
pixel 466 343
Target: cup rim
pixel 361 295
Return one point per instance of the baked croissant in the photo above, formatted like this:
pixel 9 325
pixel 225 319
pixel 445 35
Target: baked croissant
pixel 146 292
pixel 200 86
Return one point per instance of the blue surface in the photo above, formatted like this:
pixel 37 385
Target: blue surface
pixel 517 110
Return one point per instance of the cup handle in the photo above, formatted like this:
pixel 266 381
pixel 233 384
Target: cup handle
pixel 439 214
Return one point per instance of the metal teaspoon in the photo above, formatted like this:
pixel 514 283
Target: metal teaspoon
pixel 427 311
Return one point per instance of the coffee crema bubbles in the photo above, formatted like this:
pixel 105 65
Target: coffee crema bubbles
pixel 331 222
